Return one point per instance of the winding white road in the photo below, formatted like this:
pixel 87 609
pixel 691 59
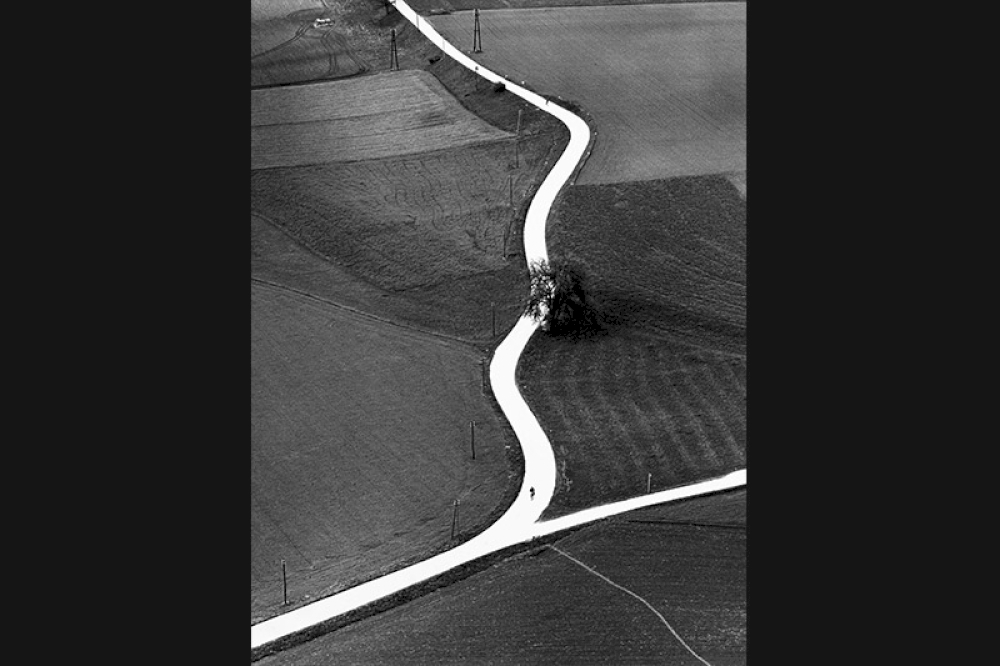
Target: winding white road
pixel 521 521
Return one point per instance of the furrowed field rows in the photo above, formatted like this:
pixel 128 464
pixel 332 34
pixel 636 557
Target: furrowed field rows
pixel 620 408
pixel 382 115
pixel 416 239
pixel 665 84
pixel 662 390
pixel 403 222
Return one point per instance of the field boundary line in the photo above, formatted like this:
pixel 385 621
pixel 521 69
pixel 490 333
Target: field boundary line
pixel 630 592
pixel 441 337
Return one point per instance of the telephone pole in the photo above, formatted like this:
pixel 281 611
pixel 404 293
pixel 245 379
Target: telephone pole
pixel 517 139
pixel 284 585
pixel 393 54
pixel 477 37
pixel 472 429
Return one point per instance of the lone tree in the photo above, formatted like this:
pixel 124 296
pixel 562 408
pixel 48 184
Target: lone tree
pixel 559 298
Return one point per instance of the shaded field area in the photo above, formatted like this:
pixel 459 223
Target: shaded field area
pixel 433 238
pixel 371 289
pixel 665 84
pixel 686 560
pixel 661 390
pixel 387 114
pixel 359 443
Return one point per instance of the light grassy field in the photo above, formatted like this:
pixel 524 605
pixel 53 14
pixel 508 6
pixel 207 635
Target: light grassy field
pixel 359 443
pixel 262 10
pixel 665 84
pixel 382 115
pixel 543 608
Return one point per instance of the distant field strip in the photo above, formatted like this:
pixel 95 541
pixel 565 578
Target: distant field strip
pixel 383 115
pixel 631 593
pixel 666 84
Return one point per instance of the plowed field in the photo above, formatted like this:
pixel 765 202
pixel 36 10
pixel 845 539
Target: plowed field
pixel 665 84
pixel 395 113
pixel 662 390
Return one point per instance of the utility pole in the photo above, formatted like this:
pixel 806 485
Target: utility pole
pixel 284 585
pixel 454 521
pixel 393 53
pixel 510 223
pixel 517 140
pixel 472 429
pixel 477 37
pixel 649 482
pixel 493 310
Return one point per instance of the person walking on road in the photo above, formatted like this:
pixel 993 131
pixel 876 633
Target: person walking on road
pixel 532 490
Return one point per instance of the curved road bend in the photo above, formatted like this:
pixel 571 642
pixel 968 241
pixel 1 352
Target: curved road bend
pixel 520 522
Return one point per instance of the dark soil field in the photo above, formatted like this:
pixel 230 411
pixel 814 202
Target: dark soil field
pixel 661 389
pixel 426 232
pixel 359 443
pixel 688 561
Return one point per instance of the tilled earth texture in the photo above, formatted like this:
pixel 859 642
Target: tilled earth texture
pixel 687 562
pixel 657 398
pixel 387 114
